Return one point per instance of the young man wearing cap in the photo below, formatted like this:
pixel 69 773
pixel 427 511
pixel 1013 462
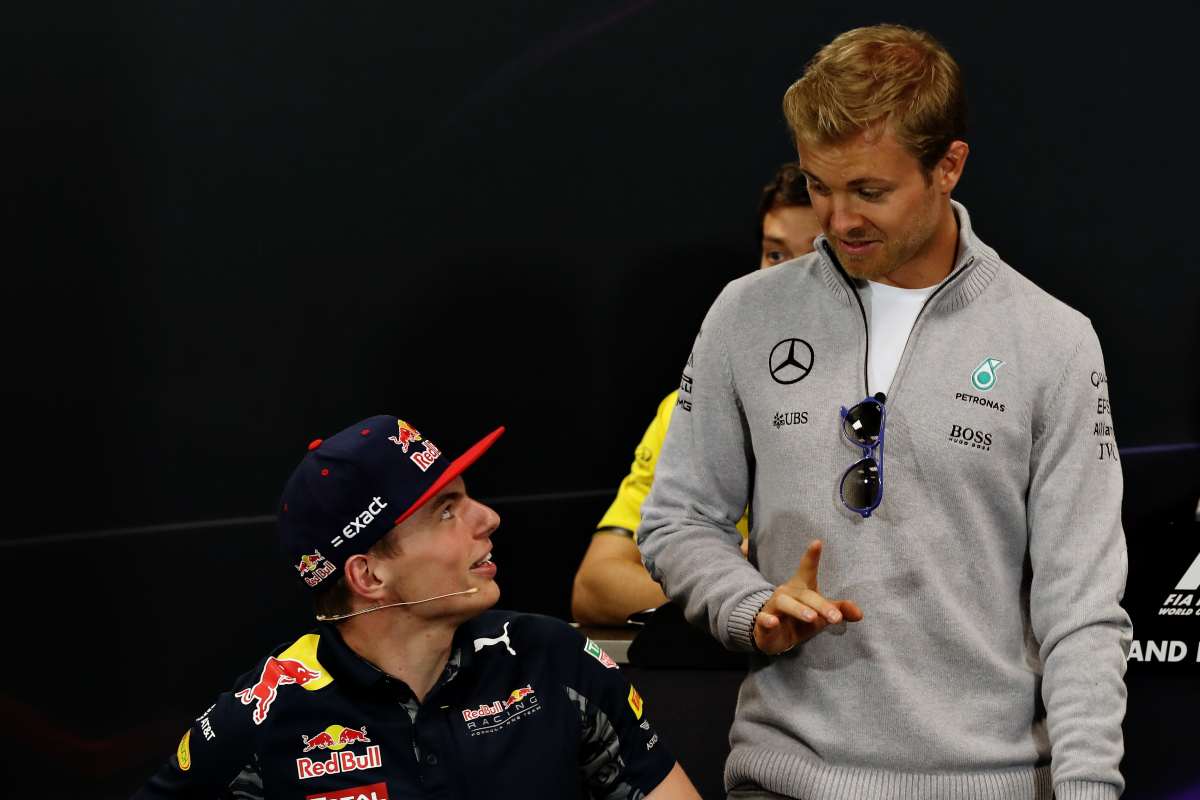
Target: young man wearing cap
pixel 929 413
pixel 411 687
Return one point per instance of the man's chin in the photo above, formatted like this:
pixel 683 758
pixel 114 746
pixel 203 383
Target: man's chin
pixel 489 595
pixel 864 266
pixel 864 270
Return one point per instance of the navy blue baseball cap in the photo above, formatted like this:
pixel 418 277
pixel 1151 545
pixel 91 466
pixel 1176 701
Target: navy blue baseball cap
pixel 355 486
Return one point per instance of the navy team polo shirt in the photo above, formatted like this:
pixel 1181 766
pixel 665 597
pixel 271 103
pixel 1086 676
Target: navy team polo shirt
pixel 527 707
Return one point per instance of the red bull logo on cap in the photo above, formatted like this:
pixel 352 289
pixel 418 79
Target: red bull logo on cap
pixel 426 457
pixel 312 570
pixel 376 791
pixel 276 672
pixel 405 436
pixel 336 738
pixel 309 563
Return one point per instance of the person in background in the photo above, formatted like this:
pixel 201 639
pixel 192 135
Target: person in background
pixel 785 217
pixel 411 686
pixel 611 584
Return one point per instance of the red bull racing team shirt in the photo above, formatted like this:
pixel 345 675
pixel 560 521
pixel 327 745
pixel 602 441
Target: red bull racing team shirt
pixel 526 707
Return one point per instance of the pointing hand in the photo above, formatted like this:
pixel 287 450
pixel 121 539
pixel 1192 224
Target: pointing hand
pixel 797 611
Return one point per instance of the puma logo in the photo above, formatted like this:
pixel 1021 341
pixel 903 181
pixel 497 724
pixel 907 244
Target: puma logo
pixel 503 638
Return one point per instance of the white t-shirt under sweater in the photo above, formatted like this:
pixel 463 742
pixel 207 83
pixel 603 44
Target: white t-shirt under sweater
pixel 893 311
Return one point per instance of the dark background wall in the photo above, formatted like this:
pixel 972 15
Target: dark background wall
pixel 233 227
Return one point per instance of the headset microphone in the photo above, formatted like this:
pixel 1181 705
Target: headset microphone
pixel 336 617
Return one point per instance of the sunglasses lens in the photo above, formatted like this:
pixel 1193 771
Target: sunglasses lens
pixel 861 423
pixel 860 485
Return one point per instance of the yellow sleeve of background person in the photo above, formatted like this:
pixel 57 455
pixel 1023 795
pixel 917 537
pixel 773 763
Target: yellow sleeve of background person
pixel 626 509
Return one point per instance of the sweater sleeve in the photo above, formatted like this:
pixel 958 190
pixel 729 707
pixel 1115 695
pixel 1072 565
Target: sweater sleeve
pixel 1078 557
pixel 688 535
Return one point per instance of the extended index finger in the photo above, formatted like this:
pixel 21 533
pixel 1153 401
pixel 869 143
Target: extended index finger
pixel 809 562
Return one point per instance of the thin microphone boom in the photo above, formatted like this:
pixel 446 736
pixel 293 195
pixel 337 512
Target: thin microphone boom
pixel 336 617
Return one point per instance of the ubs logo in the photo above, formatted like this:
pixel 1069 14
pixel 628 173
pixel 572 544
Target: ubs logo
pixel 790 361
pixel 790 418
pixel 970 437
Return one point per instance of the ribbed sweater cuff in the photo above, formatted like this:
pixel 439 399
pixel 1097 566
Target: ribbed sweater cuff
pixel 794 775
pixel 1086 790
pixel 741 621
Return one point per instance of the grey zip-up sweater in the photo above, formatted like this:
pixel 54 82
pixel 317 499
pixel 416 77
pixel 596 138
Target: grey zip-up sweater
pixel 991 658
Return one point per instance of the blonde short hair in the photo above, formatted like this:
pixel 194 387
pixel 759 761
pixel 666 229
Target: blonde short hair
pixel 886 74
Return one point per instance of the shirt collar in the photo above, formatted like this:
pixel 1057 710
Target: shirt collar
pixel 348 666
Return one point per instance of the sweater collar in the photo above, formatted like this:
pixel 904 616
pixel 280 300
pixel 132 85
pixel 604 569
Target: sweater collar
pixel 975 266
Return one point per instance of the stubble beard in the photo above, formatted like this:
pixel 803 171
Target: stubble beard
pixel 873 268
pixel 893 253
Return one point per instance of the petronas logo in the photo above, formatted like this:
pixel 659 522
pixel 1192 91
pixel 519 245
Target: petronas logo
pixel 984 376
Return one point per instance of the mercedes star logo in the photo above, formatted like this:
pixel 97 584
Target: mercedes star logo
pixel 791 360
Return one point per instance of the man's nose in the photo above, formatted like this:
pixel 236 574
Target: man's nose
pixel 843 218
pixel 488 521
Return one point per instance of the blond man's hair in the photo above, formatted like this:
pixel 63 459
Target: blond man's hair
pixel 884 75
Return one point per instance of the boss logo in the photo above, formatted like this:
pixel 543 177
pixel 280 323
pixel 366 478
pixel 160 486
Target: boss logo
pixel 971 437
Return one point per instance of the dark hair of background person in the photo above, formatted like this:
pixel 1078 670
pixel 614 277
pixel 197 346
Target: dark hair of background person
pixel 787 188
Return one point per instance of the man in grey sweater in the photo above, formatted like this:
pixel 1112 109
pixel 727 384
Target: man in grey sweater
pixel 969 511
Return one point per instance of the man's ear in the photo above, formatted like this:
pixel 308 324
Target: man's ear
pixel 949 170
pixel 362 578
